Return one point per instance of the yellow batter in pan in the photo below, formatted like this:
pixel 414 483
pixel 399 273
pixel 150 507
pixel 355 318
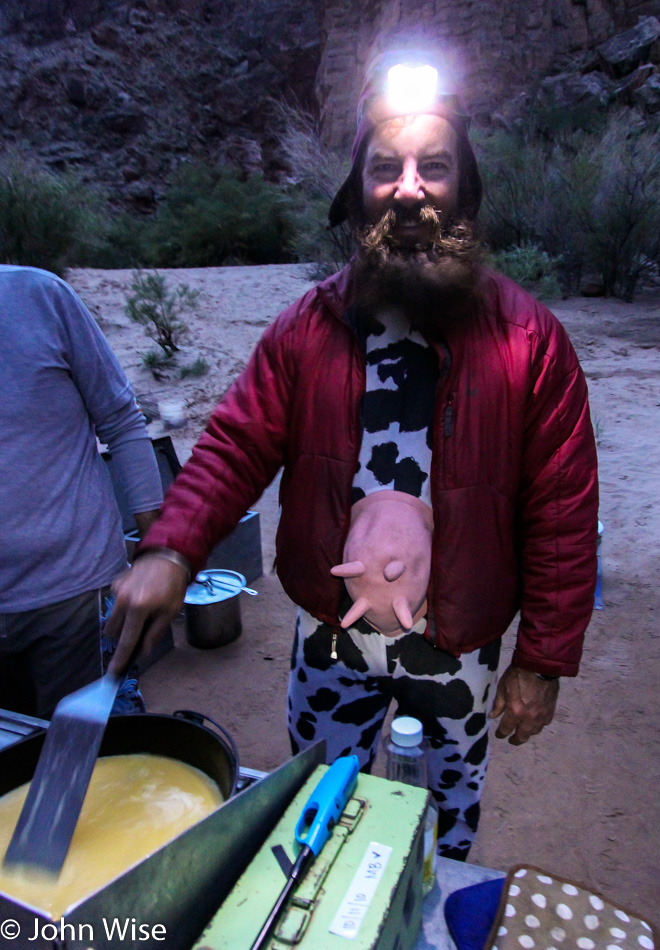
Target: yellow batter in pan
pixel 134 805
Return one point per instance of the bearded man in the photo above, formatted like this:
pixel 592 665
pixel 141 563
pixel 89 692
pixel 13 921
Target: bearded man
pixel 439 474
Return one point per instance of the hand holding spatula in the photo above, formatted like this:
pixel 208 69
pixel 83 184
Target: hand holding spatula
pixel 49 816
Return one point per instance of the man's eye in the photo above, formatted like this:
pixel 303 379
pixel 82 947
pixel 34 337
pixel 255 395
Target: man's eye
pixel 385 168
pixel 435 168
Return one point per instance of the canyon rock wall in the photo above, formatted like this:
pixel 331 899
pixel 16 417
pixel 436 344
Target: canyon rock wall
pixel 124 91
pixel 496 48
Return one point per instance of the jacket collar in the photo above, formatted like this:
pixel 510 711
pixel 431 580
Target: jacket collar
pixel 336 292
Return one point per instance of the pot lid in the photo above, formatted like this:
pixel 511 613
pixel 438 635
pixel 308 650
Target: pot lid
pixel 213 586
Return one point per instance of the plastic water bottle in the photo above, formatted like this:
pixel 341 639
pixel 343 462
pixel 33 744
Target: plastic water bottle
pixel 406 762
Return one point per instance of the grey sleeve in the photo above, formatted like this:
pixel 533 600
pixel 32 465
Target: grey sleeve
pixel 108 398
pixel 125 434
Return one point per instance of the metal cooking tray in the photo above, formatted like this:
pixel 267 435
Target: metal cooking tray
pixel 179 886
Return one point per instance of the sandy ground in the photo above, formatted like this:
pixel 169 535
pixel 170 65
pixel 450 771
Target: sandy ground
pixel 582 799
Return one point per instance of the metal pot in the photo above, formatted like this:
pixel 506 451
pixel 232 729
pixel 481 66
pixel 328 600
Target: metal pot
pixel 182 736
pixel 178 884
pixel 212 608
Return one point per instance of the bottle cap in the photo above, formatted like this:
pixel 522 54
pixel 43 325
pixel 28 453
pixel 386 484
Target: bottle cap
pixel 406 731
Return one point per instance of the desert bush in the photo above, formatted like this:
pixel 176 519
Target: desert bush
pixel 569 187
pixel 125 242
pixel 153 358
pixel 549 120
pixel 210 216
pixel 511 166
pixel 315 176
pixel 530 267
pixel 156 361
pixel 622 225
pixel 160 311
pixel 46 220
pixel 591 201
pixel 602 206
pixel 199 368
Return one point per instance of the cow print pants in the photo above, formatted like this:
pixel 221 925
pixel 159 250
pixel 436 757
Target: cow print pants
pixel 345 701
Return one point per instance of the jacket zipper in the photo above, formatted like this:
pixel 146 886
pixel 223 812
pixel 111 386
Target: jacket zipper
pixel 448 450
pixel 449 416
pixel 445 414
pixel 439 464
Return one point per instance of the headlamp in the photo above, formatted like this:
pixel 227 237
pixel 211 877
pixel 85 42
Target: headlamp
pixel 402 82
pixel 411 89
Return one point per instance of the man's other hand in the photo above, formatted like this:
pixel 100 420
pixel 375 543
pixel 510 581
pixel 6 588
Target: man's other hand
pixel 525 703
pixel 147 597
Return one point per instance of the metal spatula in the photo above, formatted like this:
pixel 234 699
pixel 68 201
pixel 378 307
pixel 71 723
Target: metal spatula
pixel 50 813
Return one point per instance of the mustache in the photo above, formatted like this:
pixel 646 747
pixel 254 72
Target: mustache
pixel 436 283
pixel 383 233
pixel 453 238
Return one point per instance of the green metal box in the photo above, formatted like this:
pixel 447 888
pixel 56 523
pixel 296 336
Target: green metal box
pixel 357 895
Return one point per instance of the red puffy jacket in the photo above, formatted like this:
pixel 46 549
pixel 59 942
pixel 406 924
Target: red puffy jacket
pixel 513 477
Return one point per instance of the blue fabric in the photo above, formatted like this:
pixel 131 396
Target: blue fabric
pixel 471 911
pixel 129 699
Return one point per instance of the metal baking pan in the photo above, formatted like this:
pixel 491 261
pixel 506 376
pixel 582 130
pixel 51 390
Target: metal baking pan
pixel 176 890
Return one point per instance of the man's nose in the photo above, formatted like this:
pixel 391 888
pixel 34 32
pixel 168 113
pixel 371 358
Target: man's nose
pixel 409 188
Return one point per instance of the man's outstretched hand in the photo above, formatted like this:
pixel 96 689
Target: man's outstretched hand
pixel 147 598
pixel 525 703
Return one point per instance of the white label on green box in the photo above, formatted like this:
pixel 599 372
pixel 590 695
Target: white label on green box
pixel 359 895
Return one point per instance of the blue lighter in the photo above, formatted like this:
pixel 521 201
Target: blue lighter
pixel 327 802
pixel 318 818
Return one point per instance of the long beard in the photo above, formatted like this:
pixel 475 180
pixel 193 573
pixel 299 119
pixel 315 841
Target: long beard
pixel 435 284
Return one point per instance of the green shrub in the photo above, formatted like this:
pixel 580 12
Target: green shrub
pixel 46 220
pixel 552 120
pixel 160 310
pixel 210 216
pixel 199 368
pixel 569 182
pixel 125 243
pixel 156 361
pixel 154 358
pixel 316 174
pixel 622 225
pixel 590 201
pixel 511 166
pixel 602 206
pixel 530 267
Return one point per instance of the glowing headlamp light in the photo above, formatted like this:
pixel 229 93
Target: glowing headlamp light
pixel 411 89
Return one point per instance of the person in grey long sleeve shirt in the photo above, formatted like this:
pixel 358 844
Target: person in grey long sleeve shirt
pixel 61 539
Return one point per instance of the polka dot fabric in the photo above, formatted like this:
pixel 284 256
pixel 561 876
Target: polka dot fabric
pixel 543 912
